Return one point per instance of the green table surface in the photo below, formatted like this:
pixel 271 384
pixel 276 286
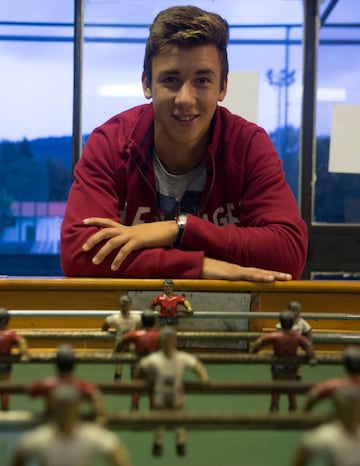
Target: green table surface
pixel 204 448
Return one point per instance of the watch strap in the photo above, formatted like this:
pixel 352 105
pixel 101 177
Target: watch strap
pixel 181 223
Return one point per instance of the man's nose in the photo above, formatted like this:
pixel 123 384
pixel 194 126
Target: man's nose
pixel 185 93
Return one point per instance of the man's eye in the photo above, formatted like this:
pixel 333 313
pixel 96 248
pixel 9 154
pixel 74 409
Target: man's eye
pixel 203 80
pixel 169 79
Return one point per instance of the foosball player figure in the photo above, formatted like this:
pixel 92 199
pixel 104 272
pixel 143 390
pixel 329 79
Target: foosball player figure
pixel 65 440
pixel 122 322
pixel 326 389
pixel 168 302
pixel 65 362
pixel 285 342
pixel 9 339
pixel 144 341
pixel 300 325
pixel 334 443
pixel 164 370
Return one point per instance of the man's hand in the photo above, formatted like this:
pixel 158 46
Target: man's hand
pixel 219 270
pixel 127 239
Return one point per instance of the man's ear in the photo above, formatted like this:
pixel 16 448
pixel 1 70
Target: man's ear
pixel 146 86
pixel 223 90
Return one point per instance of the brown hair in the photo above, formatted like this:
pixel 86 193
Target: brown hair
pixel 187 26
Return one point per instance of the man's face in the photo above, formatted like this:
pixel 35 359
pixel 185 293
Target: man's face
pixel 185 90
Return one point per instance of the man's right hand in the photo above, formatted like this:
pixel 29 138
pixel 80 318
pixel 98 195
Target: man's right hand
pixel 126 239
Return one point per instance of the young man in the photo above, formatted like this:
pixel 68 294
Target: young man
pixel 9 340
pixel 122 322
pixel 165 371
pixel 168 302
pixel 181 187
pixel 66 440
pixel 336 443
pixel 285 342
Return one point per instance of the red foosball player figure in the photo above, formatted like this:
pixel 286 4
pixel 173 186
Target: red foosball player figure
pixel 65 364
pixel 169 302
pixel 164 370
pixel 145 341
pixel 285 343
pixel 8 340
pixel 66 440
pixel 122 322
pixel 326 389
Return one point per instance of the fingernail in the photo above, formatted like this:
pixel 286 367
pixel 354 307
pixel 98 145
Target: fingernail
pixel 85 247
pixel 95 260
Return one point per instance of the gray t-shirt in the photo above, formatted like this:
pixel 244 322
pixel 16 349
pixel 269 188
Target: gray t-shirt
pixel 178 193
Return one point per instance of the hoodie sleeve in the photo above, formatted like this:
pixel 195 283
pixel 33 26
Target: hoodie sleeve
pixel 95 192
pixel 270 233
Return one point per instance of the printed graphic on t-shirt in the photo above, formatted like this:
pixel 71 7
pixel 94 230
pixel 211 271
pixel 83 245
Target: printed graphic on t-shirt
pixel 171 208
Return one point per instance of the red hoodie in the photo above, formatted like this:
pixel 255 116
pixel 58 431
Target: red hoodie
pixel 247 215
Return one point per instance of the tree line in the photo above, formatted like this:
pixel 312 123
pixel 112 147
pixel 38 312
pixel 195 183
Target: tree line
pixel 24 177
pixel 40 171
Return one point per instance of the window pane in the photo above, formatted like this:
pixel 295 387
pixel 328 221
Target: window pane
pixel 337 194
pixel 35 132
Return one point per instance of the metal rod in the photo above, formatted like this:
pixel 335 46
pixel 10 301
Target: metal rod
pixel 327 12
pixel 77 96
pixel 191 420
pixel 206 357
pixel 320 337
pixel 308 118
pixel 100 335
pixel 215 387
pixel 197 314
pixel 236 358
pixel 216 420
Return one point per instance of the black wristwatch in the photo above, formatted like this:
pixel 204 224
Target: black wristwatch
pixel 181 222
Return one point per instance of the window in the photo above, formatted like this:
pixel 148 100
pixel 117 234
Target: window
pixel 35 135
pixel 36 44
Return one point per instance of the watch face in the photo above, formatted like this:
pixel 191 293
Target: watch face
pixel 181 221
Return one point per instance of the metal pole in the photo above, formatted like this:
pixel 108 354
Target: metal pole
pixel 223 387
pixel 13 421
pixel 183 336
pixel 308 134
pixel 328 11
pixel 197 314
pixel 286 90
pixel 77 92
pixel 209 357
